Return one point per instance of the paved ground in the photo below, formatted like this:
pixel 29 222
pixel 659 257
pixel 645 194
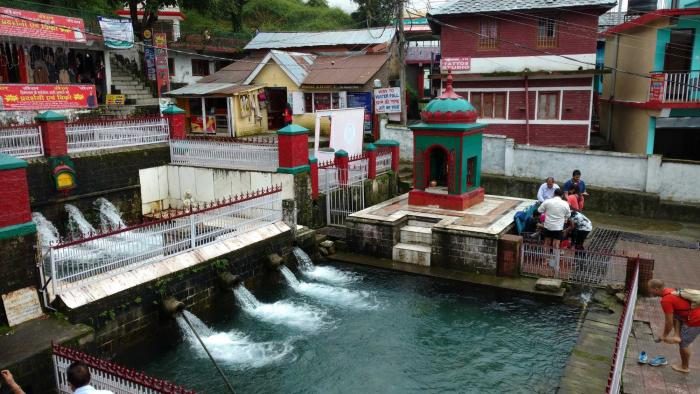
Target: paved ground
pixel 678 267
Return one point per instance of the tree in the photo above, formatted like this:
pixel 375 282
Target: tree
pixel 375 12
pixel 317 3
pixel 150 13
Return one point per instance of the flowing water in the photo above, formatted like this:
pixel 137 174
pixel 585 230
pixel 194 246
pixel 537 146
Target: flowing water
pixel 427 335
pixel 110 217
pixel 48 233
pixel 326 274
pixel 78 226
pixel 295 315
pixel 330 294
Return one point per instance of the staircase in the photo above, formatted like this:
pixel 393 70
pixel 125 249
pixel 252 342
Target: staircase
pixel 414 247
pixel 405 177
pixel 138 95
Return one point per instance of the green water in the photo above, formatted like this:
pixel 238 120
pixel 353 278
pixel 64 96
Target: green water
pixel 379 332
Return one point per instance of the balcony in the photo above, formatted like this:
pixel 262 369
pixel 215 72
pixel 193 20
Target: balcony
pixel 675 87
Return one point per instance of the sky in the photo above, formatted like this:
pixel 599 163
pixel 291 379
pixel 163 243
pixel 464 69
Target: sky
pixel 349 5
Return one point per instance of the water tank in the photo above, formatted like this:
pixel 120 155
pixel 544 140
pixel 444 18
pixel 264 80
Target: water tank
pixel 635 6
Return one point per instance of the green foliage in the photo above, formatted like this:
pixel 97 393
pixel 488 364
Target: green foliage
pixel 377 12
pixel 6 330
pixel 220 264
pixel 108 315
pixel 293 15
pixel 137 300
pixel 58 315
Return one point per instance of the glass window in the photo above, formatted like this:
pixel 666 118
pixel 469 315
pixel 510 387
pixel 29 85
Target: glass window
pixel 426 82
pixel 547 105
pixel 546 33
pixel 488 34
pixel 308 102
pixel 322 101
pixel 171 66
pixel 489 105
pixel 476 102
pixel 336 100
pixel 200 67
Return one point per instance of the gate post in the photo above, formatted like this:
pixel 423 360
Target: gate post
pixel 313 165
pixel 176 122
pixel 342 163
pixel 394 146
pixel 372 161
pixel 53 133
pixel 293 149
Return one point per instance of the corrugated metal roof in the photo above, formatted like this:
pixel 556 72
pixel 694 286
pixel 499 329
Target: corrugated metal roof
pixel 476 6
pixel 295 64
pixel 199 89
pixel 236 72
pixel 272 40
pixel 353 70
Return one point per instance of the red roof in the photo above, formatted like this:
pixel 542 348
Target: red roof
pixel 650 17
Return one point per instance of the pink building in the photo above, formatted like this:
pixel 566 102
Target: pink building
pixel 527 66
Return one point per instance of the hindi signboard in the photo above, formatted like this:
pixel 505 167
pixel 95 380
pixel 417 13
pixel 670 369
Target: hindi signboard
pixel 149 54
pixel 117 33
pixel 456 63
pixel 656 87
pixel 387 100
pixel 162 72
pixel 19 97
pixel 21 305
pixel 21 23
pixel 115 99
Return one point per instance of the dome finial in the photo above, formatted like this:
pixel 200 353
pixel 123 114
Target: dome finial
pixel 449 93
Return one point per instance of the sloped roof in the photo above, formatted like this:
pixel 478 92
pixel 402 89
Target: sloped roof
pixel 275 40
pixel 352 70
pixel 211 89
pixel 295 64
pixel 477 6
pixel 236 72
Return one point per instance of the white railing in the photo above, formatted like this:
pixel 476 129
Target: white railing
pixel 82 261
pixel 624 329
pixel 21 141
pixel 110 134
pixel 681 86
pixel 581 267
pixel 383 160
pixel 225 154
pixel 331 178
pixel 105 375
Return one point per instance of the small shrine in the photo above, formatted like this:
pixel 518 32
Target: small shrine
pixel 447 154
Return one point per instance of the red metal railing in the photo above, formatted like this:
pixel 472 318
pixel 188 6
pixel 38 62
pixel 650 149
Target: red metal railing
pixel 238 140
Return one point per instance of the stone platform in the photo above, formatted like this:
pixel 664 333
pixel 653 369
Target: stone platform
pixel 430 236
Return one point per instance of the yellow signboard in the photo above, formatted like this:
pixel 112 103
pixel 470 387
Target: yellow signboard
pixel 115 99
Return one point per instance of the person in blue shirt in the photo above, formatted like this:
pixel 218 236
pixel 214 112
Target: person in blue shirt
pixel 576 181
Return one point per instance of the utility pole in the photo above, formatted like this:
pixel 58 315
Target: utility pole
pixel 402 64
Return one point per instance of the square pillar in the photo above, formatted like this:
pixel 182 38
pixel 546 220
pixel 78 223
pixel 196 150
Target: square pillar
pixel 342 163
pixel 14 194
pixel 53 133
pixel 293 149
pixel 176 122
pixel 313 165
pixel 394 146
pixel 371 161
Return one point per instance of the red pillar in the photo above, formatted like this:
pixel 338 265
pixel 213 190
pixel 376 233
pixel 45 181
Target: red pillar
pixel 372 161
pixel 53 133
pixel 176 122
pixel 394 146
pixel 15 213
pixel 293 149
pixel 342 163
pixel 313 165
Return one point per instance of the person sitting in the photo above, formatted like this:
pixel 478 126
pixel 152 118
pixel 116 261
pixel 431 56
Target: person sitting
pixel 546 190
pixel 576 180
pixel 78 375
pixel 574 198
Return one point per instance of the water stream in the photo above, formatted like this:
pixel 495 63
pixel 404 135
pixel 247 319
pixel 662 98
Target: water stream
pixel 78 226
pixel 48 233
pixel 300 316
pixel 330 294
pixel 110 217
pixel 326 274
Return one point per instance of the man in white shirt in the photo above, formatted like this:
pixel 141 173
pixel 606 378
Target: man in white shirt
pixel 546 190
pixel 556 212
pixel 78 375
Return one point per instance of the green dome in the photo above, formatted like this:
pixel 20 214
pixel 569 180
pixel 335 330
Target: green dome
pixel 449 105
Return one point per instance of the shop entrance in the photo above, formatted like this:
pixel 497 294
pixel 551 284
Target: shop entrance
pixel 277 99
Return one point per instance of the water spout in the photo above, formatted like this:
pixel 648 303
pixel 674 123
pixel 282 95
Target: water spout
pixel 322 273
pixel 330 294
pixel 78 226
pixel 172 306
pixel 110 217
pixel 299 316
pixel 48 234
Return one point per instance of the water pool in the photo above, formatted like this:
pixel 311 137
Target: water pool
pixel 367 330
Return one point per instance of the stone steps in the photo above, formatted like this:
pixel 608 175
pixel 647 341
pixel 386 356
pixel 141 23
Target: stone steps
pixel 416 235
pixel 411 253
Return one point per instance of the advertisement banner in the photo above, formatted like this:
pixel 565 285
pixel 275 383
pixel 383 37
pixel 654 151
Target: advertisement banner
pixel 149 54
pixel 455 63
pixel 197 123
pixel 387 100
pixel 162 72
pixel 118 33
pixel 21 23
pixel 362 99
pixel 115 99
pixel 19 97
pixel 656 87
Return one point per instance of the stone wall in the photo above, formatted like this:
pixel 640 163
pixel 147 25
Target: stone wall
pixel 373 238
pixel 17 267
pixel 463 252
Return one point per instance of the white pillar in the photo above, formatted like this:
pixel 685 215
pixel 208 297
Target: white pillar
pixel 653 180
pixel 108 73
pixel 204 117
pixel 508 157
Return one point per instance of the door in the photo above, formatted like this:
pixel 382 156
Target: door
pixel 277 99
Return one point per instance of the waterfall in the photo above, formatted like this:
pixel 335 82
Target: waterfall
pixel 232 347
pixel 78 226
pixel 48 234
pixel 304 260
pixel 289 276
pixel 322 273
pixel 300 316
pixel 330 294
pixel 110 217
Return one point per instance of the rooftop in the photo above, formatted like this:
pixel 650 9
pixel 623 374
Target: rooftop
pixel 278 40
pixel 477 6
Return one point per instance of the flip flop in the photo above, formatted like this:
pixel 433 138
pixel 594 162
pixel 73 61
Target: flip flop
pixel 658 361
pixel 643 358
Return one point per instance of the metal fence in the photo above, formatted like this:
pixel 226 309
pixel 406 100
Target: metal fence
pixel 383 160
pixel 21 141
pixel 584 267
pixel 82 261
pixel 105 375
pixel 624 329
pixel 232 154
pixel 343 201
pixel 109 134
pixel 681 86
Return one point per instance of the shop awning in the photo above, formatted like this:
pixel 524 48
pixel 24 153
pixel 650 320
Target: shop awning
pixel 211 90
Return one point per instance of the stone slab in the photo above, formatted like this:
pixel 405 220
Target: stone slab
pixel 548 284
pixel 21 305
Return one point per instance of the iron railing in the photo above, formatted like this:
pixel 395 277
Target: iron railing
pixel 84 260
pixel 383 160
pixel 624 329
pixel 106 375
pixel 683 86
pixel 21 141
pixel 259 155
pixel 584 267
pixel 118 133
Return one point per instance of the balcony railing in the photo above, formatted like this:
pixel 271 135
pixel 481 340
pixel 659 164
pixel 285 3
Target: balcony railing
pixel 679 87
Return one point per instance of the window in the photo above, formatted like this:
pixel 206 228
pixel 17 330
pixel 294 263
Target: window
pixel 200 67
pixel 171 66
pixel 322 101
pixel 488 34
pixel 547 33
pixel 489 105
pixel 548 105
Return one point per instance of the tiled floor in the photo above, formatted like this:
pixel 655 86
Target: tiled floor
pixel 678 267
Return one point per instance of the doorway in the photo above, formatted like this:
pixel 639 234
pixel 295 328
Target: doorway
pixel 437 159
pixel 276 99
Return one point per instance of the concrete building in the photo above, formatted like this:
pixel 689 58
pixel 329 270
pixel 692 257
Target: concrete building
pixel 651 100
pixel 526 66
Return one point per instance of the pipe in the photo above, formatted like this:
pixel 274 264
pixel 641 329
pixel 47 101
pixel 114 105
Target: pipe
pixel 274 260
pixel 527 112
pixel 171 306
pixel 611 96
pixel 228 279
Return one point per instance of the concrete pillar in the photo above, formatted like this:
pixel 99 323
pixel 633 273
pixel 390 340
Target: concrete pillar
pixel 289 213
pixel 395 152
pixel 313 166
pixel 53 133
pixel 14 195
pixel 646 270
pixel 342 163
pixel 508 157
pixel 508 255
pixel 108 72
pixel 293 149
pixel 176 122
pixel 372 161
pixel 653 179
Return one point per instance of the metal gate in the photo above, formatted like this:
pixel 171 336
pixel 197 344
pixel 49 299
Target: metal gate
pixel 343 201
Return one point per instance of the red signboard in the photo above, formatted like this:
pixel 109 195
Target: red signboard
pixel 656 87
pixel 21 23
pixel 162 73
pixel 456 63
pixel 14 97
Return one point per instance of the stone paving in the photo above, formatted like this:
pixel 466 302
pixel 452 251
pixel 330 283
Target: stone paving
pixel 678 267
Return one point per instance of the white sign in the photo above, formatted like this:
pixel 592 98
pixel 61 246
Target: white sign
pixel 387 100
pixel 117 33
pixel 21 305
pixel 455 63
